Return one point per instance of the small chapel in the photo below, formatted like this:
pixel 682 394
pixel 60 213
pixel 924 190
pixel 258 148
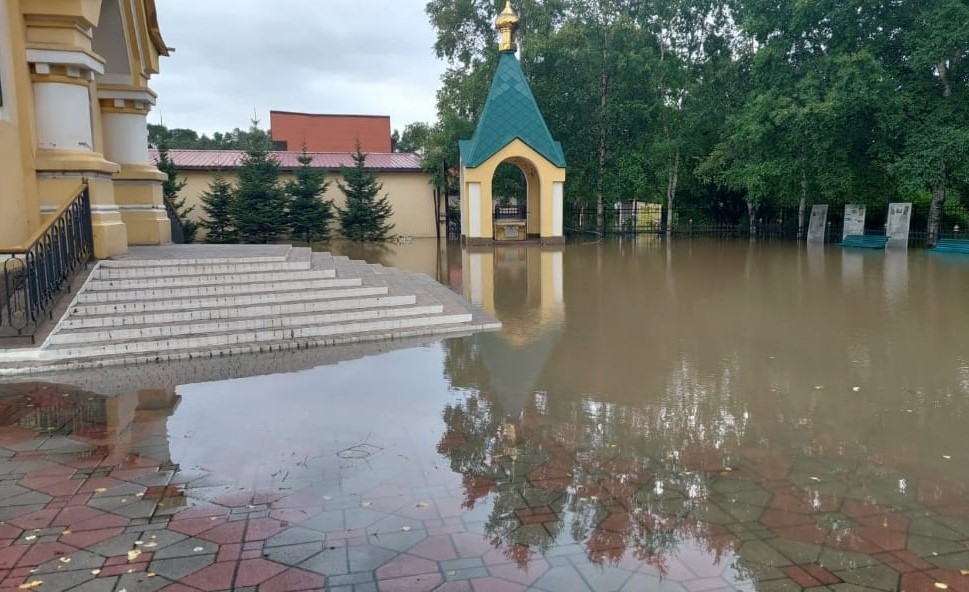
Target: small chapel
pixel 511 130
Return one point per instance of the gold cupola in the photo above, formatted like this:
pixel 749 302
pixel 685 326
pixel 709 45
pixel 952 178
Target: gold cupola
pixel 508 23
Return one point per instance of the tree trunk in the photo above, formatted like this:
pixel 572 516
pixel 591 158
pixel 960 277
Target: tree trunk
pixel 672 181
pixel 802 208
pixel 603 102
pixel 935 214
pixel 752 218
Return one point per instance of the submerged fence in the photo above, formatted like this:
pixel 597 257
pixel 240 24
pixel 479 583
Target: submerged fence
pixel 770 224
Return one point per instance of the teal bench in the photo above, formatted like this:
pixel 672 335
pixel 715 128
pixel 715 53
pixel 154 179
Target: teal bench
pixel 859 241
pixel 958 246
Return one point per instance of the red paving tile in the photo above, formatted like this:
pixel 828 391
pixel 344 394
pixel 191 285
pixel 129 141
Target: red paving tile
pixel 214 577
pixel 253 572
pixel 437 548
pixel 195 526
pixel 406 565
pixel 800 576
pixel 495 585
pixel 44 552
pixel 261 529
pixel 228 532
pixel 293 580
pixel 821 574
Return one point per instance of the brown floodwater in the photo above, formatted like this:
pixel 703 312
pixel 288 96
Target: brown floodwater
pixel 679 416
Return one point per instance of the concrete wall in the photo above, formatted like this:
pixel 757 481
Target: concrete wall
pixel 18 185
pixel 411 198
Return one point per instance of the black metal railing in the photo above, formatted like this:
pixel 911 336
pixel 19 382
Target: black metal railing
pixel 34 275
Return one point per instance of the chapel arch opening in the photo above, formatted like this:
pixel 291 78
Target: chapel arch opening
pixel 516 195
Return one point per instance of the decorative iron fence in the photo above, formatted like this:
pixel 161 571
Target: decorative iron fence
pixel 33 276
pixel 510 212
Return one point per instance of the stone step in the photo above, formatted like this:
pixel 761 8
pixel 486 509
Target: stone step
pixel 175 330
pixel 89 297
pixel 99 283
pixel 77 322
pixel 193 269
pixel 223 302
pixel 388 326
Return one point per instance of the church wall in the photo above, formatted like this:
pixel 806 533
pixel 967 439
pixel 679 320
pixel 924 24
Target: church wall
pixel 18 187
pixel 411 197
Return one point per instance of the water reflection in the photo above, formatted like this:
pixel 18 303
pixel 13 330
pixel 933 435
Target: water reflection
pixel 698 394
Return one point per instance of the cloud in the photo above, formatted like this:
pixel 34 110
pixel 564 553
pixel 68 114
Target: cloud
pixel 234 58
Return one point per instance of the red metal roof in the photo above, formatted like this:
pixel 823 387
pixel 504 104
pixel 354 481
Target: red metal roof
pixel 401 162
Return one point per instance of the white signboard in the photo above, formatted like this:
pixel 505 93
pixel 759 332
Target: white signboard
pixel 899 221
pixel 819 219
pixel 854 221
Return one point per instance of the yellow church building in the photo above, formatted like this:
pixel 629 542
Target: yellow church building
pixel 74 101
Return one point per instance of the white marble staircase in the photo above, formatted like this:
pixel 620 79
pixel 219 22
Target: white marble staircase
pixel 181 302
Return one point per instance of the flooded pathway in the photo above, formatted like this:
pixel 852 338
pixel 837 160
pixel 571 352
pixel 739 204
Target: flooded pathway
pixel 710 416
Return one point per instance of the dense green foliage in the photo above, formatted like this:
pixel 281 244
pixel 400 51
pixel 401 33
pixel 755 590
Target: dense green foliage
pixel 720 108
pixel 171 187
pixel 309 214
pixel 217 205
pixel 187 139
pixel 365 215
pixel 259 205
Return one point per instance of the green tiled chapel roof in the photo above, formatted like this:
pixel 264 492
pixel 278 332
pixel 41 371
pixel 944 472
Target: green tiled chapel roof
pixel 510 112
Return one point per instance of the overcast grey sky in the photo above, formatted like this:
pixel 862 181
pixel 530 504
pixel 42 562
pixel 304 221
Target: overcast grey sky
pixel 371 57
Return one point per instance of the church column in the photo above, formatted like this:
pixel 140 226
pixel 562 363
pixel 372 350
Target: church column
pixel 67 124
pixel 138 186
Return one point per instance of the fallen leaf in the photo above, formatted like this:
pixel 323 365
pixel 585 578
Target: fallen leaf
pixel 815 478
pixel 30 537
pixel 29 585
pixel 139 542
pixel 964 572
pixel 133 554
pixel 947 457
pixel 100 490
pixel 421 504
pixel 214 518
pixel 856 388
pixel 65 559
pixel 150 545
pixel 198 549
pixel 95 572
pixel 366 504
pixel 941 586
pixel 150 574
pixel 66 532
pixel 405 528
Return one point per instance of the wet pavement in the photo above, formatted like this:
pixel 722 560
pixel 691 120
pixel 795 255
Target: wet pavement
pixel 707 417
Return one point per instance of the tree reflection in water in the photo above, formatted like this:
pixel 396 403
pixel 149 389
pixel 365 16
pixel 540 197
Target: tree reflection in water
pixel 594 479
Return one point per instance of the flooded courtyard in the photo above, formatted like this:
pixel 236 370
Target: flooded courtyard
pixel 690 416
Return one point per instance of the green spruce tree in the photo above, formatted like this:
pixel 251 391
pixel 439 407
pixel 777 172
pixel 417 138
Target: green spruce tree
pixel 217 205
pixel 259 206
pixel 171 186
pixel 309 213
pixel 365 214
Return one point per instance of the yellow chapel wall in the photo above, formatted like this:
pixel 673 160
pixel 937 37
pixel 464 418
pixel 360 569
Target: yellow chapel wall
pixel 411 197
pixel 19 211
pixel 483 175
